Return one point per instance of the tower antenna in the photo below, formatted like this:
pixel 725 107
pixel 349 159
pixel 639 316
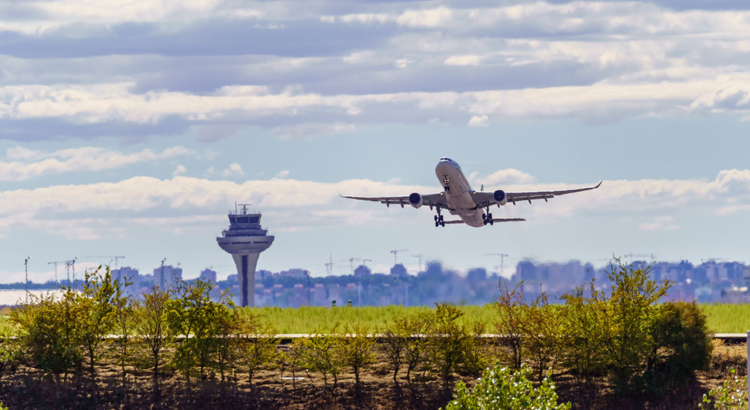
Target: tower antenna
pixel 26 269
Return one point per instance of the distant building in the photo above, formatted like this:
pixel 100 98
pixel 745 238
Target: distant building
pixel 126 272
pixel 166 276
pixel 208 275
pixel 362 270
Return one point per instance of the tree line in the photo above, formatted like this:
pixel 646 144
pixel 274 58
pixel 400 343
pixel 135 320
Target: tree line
pixel 622 336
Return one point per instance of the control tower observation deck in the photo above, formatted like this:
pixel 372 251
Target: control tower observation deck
pixel 245 240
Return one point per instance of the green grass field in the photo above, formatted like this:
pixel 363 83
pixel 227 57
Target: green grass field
pixel 722 318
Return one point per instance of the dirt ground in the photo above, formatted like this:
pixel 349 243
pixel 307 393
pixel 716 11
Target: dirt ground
pixel 25 388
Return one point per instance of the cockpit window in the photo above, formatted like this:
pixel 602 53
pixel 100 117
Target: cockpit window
pixel 446 159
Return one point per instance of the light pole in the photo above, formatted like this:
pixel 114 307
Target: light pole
pixel 26 269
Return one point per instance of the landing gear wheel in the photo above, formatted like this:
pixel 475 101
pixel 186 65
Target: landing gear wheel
pixel 437 223
pixel 442 224
pixel 436 218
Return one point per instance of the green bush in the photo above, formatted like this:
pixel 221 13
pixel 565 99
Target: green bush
pixel 732 394
pixel 450 341
pixel 357 350
pixel 502 389
pixel 681 345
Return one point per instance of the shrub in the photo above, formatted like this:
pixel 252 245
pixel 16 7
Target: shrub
pixel 193 313
pixel 502 389
pixel 449 342
pixel 582 337
pixel 630 312
pixel 732 394
pixel 542 330
pixel 258 347
pixel 511 316
pixel 151 325
pixel 97 302
pixel 321 355
pixel 49 330
pixel 416 329
pixel 476 350
pixel 681 345
pixel 357 349
pixel 393 347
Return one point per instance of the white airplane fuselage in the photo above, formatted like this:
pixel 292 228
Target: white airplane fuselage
pixel 458 193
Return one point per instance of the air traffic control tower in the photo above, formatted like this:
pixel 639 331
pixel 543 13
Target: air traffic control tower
pixel 245 240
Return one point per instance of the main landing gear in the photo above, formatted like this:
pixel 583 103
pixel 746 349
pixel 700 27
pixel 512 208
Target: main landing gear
pixel 487 218
pixel 439 219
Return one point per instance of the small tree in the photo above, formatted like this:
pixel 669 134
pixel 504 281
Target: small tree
pixel 542 331
pixel 294 358
pixel 49 330
pixel 502 389
pixel 321 354
pixel 393 347
pixel 357 349
pixel 450 341
pixel 476 350
pixel 151 325
pixel 258 346
pixel 98 301
pixel 630 312
pixel 417 330
pixel 512 315
pixel 582 337
pixel 124 322
pixel 195 316
pixel 229 330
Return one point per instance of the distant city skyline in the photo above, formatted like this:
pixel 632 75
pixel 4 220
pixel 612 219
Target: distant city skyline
pixel 132 129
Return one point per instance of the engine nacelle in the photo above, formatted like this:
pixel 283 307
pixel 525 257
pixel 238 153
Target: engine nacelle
pixel 500 197
pixel 415 200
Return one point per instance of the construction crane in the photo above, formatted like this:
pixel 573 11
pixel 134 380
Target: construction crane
pixel 395 255
pixel 329 265
pixel 420 261
pixel 71 264
pixel 632 255
pixel 351 262
pixel 364 261
pixel 55 263
pixel 110 257
pixel 502 260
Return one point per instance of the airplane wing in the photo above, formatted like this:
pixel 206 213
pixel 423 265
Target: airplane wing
pixel 485 199
pixel 430 200
pixel 458 221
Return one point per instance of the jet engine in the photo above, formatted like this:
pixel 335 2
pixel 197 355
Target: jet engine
pixel 501 198
pixel 415 200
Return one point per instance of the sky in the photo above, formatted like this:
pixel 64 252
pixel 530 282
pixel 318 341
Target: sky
pixel 132 128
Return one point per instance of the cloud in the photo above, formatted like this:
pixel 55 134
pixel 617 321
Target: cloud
pixel 309 130
pixel 180 170
pixel 283 174
pixel 462 60
pixel 234 170
pixel 478 121
pixel 25 164
pixel 508 176
pixel 660 223
pixel 82 212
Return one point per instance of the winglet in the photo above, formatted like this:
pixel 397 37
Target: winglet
pixel 599 184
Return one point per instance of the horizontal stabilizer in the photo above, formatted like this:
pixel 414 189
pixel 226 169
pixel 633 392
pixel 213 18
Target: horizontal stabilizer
pixel 458 221
pixel 508 219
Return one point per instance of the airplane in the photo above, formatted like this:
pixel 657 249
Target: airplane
pixel 473 207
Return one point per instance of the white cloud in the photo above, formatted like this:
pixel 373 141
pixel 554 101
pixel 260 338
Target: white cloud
pixel 180 170
pixel 84 211
pixel 26 164
pixel 309 130
pixel 478 121
pixel 402 63
pixel 508 176
pixel 283 174
pixel 234 170
pixel 660 223
pixel 462 60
